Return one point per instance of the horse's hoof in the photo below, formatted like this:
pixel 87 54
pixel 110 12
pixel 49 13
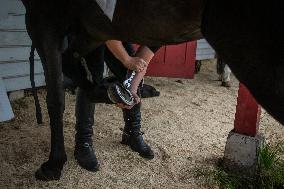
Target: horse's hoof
pixel 46 174
pixel 119 94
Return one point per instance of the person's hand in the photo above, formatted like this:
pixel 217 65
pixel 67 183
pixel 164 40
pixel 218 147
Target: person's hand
pixel 137 99
pixel 136 64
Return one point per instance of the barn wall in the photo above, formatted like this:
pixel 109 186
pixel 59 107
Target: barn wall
pixel 14 51
pixel 14 48
pixel 6 112
pixel 204 51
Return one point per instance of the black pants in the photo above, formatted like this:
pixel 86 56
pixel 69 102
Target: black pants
pixel 87 73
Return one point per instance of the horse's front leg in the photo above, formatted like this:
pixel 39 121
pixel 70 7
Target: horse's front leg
pixel 48 45
pixel 51 169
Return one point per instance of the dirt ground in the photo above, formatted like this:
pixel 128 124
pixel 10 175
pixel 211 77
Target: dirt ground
pixel 186 126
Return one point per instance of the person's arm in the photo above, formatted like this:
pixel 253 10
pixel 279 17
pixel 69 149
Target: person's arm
pixel 146 54
pixel 138 63
pixel 118 50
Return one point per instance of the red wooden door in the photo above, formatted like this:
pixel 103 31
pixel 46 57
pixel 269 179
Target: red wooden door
pixel 174 61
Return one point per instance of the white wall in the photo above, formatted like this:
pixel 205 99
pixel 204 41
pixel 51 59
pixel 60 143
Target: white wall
pixel 14 52
pixel 204 50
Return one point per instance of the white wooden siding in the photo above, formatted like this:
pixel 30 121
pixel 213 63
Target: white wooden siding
pixel 14 54
pixel 10 38
pixel 6 112
pixel 204 50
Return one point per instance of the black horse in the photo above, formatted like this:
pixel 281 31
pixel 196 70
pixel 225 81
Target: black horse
pixel 246 34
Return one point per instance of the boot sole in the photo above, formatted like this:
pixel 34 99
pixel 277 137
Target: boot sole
pixel 140 154
pixel 93 169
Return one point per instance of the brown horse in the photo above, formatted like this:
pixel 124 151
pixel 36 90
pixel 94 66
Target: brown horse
pixel 246 34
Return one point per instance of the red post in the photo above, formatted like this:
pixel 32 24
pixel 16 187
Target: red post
pixel 247 113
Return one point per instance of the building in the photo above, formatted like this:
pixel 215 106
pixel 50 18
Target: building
pixel 14 55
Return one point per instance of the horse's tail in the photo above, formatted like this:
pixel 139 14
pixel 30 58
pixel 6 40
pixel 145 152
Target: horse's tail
pixel 32 79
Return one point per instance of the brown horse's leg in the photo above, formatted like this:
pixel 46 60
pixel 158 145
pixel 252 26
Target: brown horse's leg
pixel 48 45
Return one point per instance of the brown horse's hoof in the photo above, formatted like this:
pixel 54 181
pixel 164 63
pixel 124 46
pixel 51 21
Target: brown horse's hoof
pixel 119 94
pixel 44 173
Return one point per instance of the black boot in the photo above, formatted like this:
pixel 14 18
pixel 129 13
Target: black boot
pixel 84 153
pixel 132 135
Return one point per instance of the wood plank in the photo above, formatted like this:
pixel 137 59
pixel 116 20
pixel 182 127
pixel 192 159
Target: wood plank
pixel 203 46
pixel 16 54
pixel 23 82
pixel 18 69
pixel 205 51
pixel 14 38
pixel 202 41
pixel 205 57
pixel 15 47
pixel 6 112
pixel 13 22
pixel 11 7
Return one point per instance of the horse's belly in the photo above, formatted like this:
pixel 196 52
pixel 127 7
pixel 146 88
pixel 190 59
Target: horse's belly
pixel 145 22
pixel 157 23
